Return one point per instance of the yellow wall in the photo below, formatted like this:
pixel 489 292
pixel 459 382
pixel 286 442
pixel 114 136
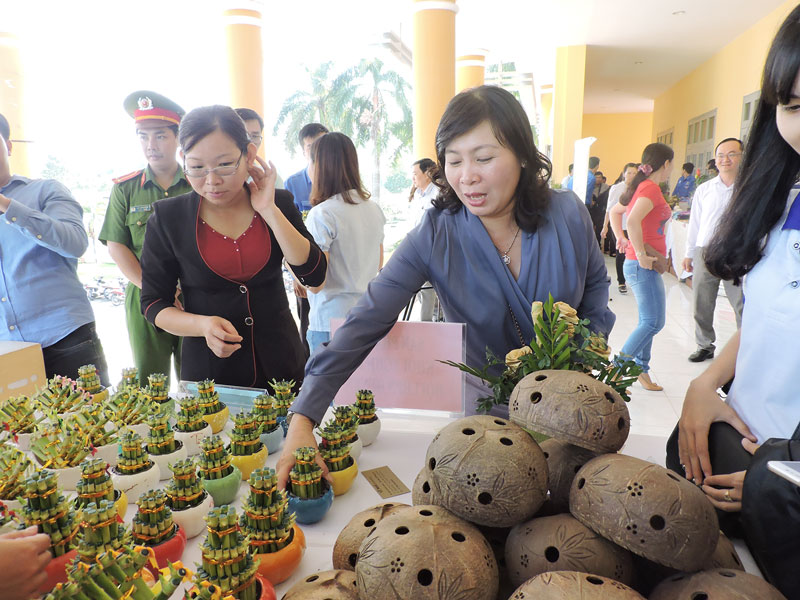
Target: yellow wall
pixel 567 106
pixel 721 82
pixel 621 137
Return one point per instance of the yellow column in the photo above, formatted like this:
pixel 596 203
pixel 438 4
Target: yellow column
pixel 11 100
pixel 567 106
pixel 243 24
pixel 546 122
pixel 470 70
pixel 434 66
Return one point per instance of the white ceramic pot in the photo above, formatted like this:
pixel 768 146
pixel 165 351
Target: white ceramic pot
pixel 192 519
pixel 141 428
pixel 193 439
pixel 136 484
pixel 14 505
pixel 355 448
pixel 108 453
pixel 368 432
pixel 67 478
pixel 165 460
pixel 23 441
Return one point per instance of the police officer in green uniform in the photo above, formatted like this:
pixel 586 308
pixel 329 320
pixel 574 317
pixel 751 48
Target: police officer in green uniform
pixel 130 205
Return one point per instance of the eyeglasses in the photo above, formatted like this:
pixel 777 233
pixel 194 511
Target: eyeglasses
pixel 256 138
pixel 222 170
pixel 729 155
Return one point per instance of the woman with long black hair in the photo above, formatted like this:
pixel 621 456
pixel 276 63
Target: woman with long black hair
pixel 758 240
pixel 648 214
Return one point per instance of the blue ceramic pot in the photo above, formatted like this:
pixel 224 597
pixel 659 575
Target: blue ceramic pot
pixel 273 439
pixel 309 511
pixel 284 425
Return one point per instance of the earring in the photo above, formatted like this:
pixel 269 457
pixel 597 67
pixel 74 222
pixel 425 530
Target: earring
pixel 523 164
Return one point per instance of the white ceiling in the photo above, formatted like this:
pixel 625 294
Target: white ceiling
pixel 620 33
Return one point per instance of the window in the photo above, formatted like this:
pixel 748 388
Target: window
pixel 748 112
pixel 700 142
pixel 665 137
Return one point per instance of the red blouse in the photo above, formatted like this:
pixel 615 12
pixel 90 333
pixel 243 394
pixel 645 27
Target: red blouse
pixel 237 259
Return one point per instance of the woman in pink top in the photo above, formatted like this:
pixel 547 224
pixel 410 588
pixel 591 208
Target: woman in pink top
pixel 648 214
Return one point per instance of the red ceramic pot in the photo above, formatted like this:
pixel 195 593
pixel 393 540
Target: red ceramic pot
pixel 264 589
pixel 169 551
pixel 278 566
pixel 56 570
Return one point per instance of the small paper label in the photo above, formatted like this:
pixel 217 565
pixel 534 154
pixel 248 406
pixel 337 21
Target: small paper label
pixel 385 482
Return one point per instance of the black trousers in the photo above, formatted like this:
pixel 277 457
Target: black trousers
pixel 302 312
pixel 81 347
pixel 770 518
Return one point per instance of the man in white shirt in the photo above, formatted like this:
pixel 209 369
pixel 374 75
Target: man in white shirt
pixel 424 192
pixel 709 204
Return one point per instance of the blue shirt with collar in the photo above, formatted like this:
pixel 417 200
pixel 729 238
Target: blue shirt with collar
pixel 299 185
pixel 685 187
pixel 590 181
pixel 41 238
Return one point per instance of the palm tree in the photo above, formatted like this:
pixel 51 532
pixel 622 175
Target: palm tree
pixel 361 103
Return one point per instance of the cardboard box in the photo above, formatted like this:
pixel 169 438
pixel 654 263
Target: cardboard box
pixel 21 369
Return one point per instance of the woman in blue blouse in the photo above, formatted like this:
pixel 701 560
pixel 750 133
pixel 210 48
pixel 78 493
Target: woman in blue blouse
pixel 496 240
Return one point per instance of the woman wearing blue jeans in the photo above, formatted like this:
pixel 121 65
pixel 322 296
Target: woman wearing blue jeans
pixel 648 213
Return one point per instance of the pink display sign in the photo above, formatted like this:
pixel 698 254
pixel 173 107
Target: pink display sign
pixel 403 369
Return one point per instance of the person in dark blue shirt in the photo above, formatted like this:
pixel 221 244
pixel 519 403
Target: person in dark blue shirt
pixel 299 185
pixel 594 164
pixel 686 185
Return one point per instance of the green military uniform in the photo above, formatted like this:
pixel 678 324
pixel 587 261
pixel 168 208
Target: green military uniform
pixel 129 208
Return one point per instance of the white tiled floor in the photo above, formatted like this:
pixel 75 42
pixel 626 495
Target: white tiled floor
pixel 656 413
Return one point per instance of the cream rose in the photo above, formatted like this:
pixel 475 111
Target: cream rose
pixel 513 358
pixel 536 310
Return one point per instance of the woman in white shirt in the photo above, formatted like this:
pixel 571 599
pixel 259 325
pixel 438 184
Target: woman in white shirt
pixel 758 237
pixel 347 227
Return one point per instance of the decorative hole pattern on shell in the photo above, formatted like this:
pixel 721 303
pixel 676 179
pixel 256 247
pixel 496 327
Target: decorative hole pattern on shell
pixel 635 504
pixel 495 477
pixel 717 583
pixel 564 460
pixel 440 556
pixel 326 585
pixel 345 550
pixel 572 407
pixel 570 585
pixel 562 543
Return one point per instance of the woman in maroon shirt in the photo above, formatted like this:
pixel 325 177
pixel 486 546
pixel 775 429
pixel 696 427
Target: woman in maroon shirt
pixel 648 214
pixel 225 243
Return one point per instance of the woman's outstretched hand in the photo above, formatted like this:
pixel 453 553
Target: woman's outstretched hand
pixel 262 186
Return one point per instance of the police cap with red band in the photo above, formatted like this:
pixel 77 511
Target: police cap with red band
pixel 144 104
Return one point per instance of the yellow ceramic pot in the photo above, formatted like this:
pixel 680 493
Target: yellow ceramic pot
pixel 217 420
pixel 251 462
pixel 120 503
pixel 343 480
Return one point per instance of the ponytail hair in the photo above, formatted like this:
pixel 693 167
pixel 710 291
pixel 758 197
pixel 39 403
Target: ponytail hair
pixel 653 158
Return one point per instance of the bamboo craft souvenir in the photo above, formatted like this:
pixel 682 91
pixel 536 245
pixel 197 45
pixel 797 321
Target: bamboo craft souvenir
pixel 305 478
pixel 265 412
pixel 245 437
pixel 215 461
pixel 118 576
pixel 161 443
pixel 226 561
pixel 184 489
pixel 88 379
pixel 101 531
pixel 95 483
pixel 48 509
pixel 189 417
pixel 284 396
pixel 347 419
pixel 132 458
pixel 265 520
pixel 130 378
pixel 334 447
pixel 153 522
pixel 364 407
pixel 15 467
pixel 156 390
pixel 209 398
pixel 61 395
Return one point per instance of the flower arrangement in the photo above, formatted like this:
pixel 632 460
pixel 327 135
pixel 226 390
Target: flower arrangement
pixel 265 521
pixel 88 379
pixel 189 417
pixel 562 341
pixel 128 406
pixel 130 378
pixel 48 509
pixel 364 407
pixel 60 395
pixel 153 522
pixel 226 561
pixel 245 438
pixel 184 489
pixel 284 396
pixel 215 461
pixel 266 413
pixel 15 468
pixel 100 531
pixel 305 478
pixel 209 398
pixel 132 457
pixel 117 575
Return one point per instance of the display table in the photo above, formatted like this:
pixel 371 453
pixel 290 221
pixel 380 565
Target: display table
pixel 676 243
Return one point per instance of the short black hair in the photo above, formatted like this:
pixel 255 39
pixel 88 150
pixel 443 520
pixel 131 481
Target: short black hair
pixel 311 130
pixel 5 129
pixel 248 114
pixel 712 164
pixel 424 164
pixel 594 162
pixel 570 167
pixel 688 167
pixel 730 139
pixel 200 122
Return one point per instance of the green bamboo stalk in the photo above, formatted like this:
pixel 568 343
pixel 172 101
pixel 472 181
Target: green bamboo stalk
pixel 245 437
pixel 335 447
pixel 214 461
pixel 209 398
pixel 305 478
pixel 132 457
pixel 189 417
